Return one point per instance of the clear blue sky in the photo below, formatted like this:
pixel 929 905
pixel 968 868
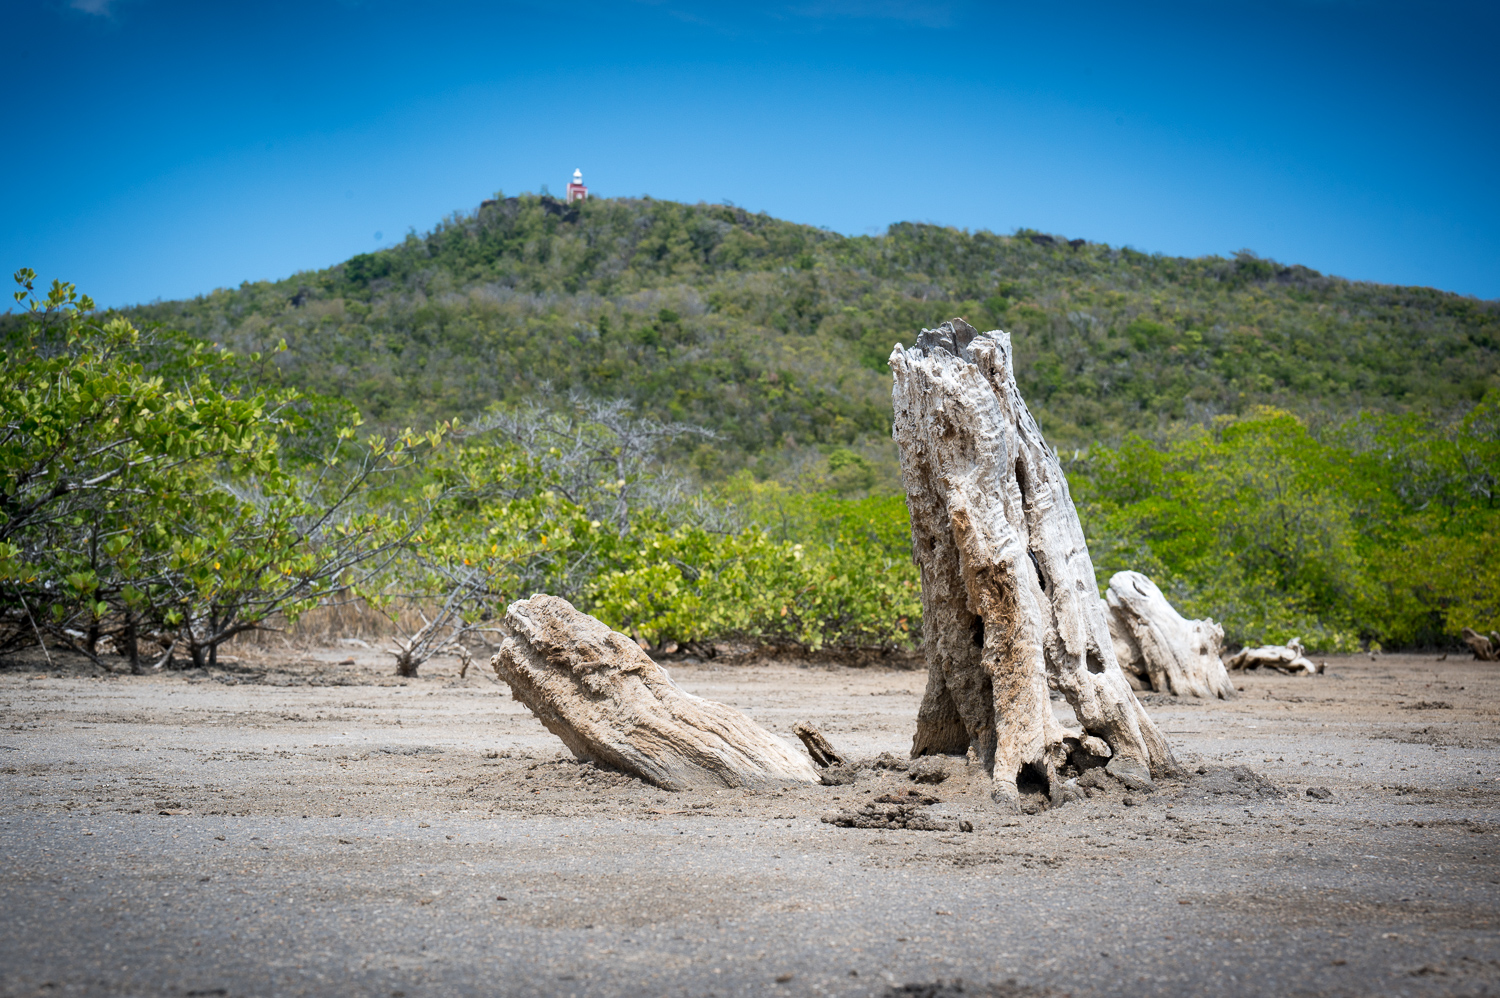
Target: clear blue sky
pixel 162 149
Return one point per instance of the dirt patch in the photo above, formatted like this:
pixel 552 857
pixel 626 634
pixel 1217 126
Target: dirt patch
pixel 905 810
pixel 1444 735
pixel 960 989
pixel 440 817
pixel 1337 909
pixel 1232 781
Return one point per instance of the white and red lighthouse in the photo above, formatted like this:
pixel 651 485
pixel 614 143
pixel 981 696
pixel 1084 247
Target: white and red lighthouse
pixel 576 190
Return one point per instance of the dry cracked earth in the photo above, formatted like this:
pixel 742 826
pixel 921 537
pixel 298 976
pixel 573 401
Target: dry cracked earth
pixel 305 824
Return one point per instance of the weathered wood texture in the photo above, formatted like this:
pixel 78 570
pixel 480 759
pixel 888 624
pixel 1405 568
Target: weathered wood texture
pixel 1009 601
pixel 611 704
pixel 1289 658
pixel 820 748
pixel 1486 649
pixel 1154 641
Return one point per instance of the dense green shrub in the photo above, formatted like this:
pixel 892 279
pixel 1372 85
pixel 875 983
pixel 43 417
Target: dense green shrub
pixel 751 560
pixel 144 487
pixel 1380 529
pixel 812 569
pixel 1246 520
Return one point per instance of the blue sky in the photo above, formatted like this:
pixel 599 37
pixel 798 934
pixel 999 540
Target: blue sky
pixel 161 149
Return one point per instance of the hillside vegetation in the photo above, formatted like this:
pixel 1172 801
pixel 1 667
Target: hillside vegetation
pixel 776 334
pixel 678 417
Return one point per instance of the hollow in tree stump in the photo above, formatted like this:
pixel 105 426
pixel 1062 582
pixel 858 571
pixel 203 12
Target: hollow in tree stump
pixel 1009 600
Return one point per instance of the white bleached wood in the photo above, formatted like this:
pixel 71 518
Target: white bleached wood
pixel 1153 640
pixel 611 704
pixel 1289 658
pixel 1010 604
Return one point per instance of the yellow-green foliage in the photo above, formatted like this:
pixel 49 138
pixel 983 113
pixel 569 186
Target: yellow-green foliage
pixel 135 497
pixel 1435 521
pixel 815 570
pixel 811 569
pixel 1381 529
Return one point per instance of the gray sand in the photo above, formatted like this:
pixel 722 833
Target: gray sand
pixel 324 829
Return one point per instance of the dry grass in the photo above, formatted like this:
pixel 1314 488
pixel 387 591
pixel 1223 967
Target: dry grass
pixel 326 625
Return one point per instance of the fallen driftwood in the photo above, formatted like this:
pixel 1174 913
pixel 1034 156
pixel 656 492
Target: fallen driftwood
pixel 1288 658
pixel 1009 601
pixel 1486 649
pixel 821 749
pixel 611 704
pixel 1157 644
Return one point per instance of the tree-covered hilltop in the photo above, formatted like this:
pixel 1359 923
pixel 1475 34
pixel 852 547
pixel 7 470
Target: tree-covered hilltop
pixel 776 334
pixel 154 487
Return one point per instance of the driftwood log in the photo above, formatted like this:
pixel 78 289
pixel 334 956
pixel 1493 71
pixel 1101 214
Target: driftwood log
pixel 1156 643
pixel 820 748
pixel 611 704
pixel 1485 649
pixel 1290 658
pixel 1009 600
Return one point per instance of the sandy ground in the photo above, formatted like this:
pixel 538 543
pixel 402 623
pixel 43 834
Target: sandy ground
pixel 290 827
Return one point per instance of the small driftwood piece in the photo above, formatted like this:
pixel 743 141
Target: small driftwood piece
pixel 1156 643
pixel 821 749
pixel 1009 600
pixel 1289 658
pixel 1485 649
pixel 612 705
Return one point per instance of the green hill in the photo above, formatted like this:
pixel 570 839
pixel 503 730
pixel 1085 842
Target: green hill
pixel 1311 523
pixel 776 334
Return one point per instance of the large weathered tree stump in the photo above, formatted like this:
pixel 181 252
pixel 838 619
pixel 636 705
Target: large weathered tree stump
pixel 1154 641
pixel 611 704
pixel 1009 600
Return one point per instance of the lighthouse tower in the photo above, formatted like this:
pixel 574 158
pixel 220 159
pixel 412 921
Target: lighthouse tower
pixel 576 190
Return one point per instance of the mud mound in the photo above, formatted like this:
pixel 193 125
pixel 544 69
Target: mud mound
pixel 929 769
pixel 959 989
pixel 406 750
pixel 1232 781
pixel 908 811
pixel 841 774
